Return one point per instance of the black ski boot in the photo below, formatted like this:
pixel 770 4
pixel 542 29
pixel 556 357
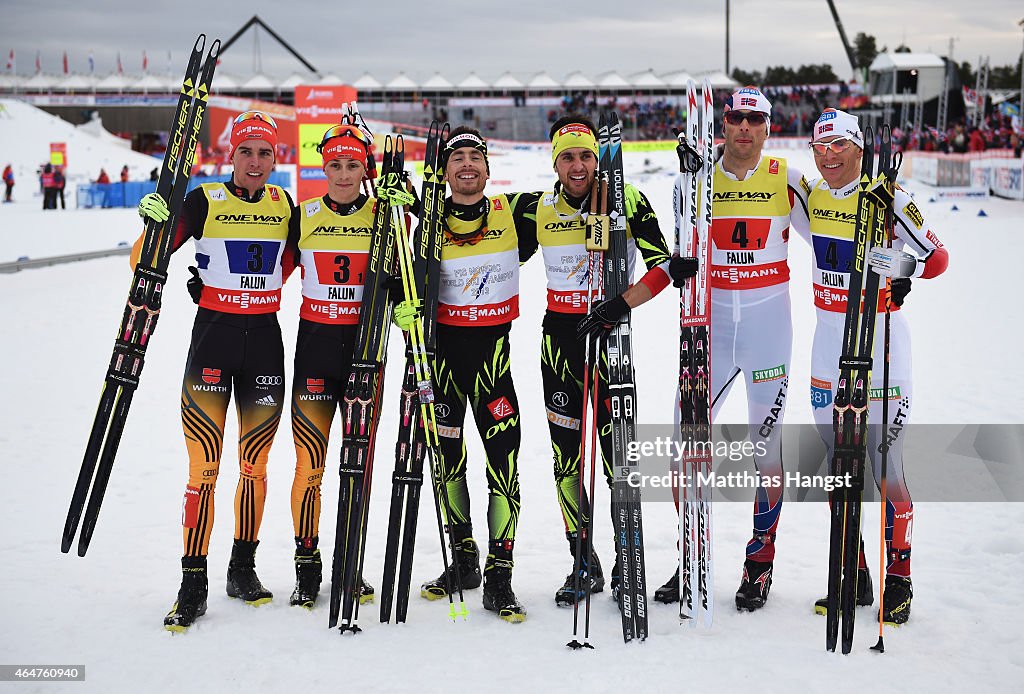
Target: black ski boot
pixel 191 602
pixel 591 575
pixel 243 583
pixel 498 594
pixel 896 600
pixel 466 561
pixel 616 580
pixel 308 573
pixel 865 593
pixel 669 592
pixel 757 581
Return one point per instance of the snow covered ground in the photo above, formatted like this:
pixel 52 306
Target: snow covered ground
pixel 105 611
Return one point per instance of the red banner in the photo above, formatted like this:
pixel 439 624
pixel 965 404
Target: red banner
pixel 59 154
pixel 222 112
pixel 316 108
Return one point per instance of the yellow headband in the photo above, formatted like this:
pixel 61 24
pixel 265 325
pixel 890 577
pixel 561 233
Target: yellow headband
pixel 570 136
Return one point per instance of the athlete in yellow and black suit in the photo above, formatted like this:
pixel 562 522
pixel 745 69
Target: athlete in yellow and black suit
pixel 561 231
pixel 240 229
pixel 332 238
pixel 477 302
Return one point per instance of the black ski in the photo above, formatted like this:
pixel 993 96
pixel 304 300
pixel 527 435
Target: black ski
pixel 145 297
pixel 626 514
pixel 412 444
pixel 361 403
pixel 851 408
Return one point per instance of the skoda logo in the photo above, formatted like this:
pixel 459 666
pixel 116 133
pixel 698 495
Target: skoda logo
pixel 269 380
pixel 559 399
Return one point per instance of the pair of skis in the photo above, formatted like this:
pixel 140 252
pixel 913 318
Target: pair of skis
pixel 145 298
pixel 361 402
pixel 692 202
pixel 609 276
pixel 850 410
pixel 417 434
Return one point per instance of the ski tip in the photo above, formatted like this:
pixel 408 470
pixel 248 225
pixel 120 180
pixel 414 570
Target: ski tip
pixel 200 43
pixel 214 50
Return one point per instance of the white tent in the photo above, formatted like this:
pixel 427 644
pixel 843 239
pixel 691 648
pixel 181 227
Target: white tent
pixel 611 80
pixel 367 81
pixel 678 78
pixel 331 78
pixel 39 81
pixel 438 81
pixel 542 80
pixel 719 80
pixel 507 81
pixel 646 80
pixel 293 80
pixel 258 82
pixel 578 79
pixel 471 81
pixel 400 82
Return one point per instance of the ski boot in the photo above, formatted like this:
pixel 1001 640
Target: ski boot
pixel 757 581
pixel 865 593
pixel 308 573
pixel 243 583
pixel 498 594
pixel 616 581
pixel 591 575
pixel 191 602
pixel 669 592
pixel 896 600
pixel 466 562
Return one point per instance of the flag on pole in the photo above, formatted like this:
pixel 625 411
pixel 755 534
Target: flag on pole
pixel 10 62
pixel 39 63
pixel 92 64
pixel 120 68
pixel 145 62
pixel 65 62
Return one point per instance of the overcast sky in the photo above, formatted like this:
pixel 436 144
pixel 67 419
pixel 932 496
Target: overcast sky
pixel 522 36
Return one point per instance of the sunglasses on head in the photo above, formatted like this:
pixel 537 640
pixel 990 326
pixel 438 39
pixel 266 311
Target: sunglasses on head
pixel 343 130
pixel 838 145
pixel 737 117
pixel 256 115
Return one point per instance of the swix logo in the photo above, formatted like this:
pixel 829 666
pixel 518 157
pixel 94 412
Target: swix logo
pixel 211 376
pixel 496 203
pixel 190 508
pixel 315 385
pixel 274 195
pixel 773 167
pixel 501 408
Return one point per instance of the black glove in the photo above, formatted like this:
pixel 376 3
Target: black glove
pixel 603 316
pixel 395 289
pixel 195 284
pixel 899 287
pixel 682 269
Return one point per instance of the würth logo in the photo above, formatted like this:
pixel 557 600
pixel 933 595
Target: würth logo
pixel 315 385
pixel 501 408
pixel 211 376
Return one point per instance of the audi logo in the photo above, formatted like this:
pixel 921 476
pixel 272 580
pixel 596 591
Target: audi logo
pixel 269 380
pixel 560 399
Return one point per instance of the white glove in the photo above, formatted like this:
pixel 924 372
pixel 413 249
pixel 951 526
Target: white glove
pixel 890 262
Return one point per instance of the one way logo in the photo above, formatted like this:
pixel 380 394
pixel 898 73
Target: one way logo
pixel 501 408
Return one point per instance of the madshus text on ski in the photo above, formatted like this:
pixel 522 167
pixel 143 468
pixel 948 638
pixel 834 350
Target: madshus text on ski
pixel 444 269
